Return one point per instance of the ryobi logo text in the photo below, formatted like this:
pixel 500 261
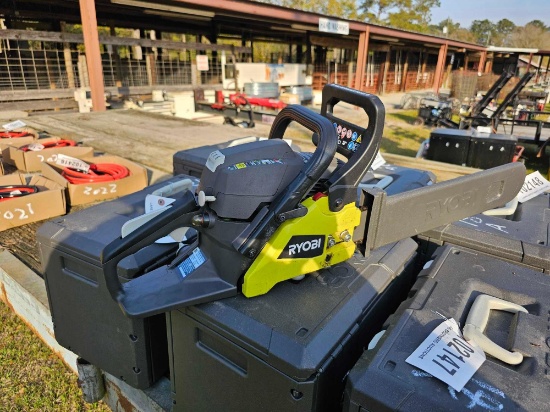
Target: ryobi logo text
pixel 306 246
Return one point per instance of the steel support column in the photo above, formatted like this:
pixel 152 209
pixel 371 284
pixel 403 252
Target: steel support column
pixel 440 66
pixel 362 53
pixel 93 57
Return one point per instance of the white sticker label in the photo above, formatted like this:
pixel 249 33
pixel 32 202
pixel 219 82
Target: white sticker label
pixel 14 125
pixel 533 186
pixel 194 260
pixel 72 162
pixel 215 159
pixel 447 356
pixel 378 161
pixel 153 202
pixel 35 147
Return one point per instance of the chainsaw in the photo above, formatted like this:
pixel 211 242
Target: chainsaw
pixel 264 214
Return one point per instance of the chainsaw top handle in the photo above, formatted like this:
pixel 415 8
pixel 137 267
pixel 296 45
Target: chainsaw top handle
pixel 312 171
pixel 357 143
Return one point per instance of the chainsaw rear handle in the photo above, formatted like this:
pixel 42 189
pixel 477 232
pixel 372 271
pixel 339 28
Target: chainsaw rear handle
pixel 306 179
pixel 362 157
pixel 179 214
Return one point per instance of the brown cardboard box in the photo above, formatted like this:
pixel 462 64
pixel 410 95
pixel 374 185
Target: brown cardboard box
pixel 48 202
pixel 16 141
pixel 290 98
pixel 31 161
pixel 93 192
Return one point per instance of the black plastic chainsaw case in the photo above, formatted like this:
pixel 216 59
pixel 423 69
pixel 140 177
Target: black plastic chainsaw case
pixel 449 146
pixel 382 380
pixel 522 238
pixel 86 319
pixel 491 150
pixel 288 350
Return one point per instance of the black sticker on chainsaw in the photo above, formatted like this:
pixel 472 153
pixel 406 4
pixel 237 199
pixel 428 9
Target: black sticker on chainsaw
pixel 305 246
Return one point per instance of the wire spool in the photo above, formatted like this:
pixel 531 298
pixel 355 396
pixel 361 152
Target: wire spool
pixel 35 147
pixel 12 191
pixel 266 89
pixel 99 172
pixel 13 135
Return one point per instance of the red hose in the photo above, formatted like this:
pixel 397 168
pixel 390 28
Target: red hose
pixel 99 172
pixel 50 145
pixel 12 135
pixel 7 192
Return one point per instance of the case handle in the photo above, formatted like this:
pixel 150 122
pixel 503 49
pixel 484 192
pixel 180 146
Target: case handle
pixel 477 322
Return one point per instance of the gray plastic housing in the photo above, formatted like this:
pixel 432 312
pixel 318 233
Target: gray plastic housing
pixel 382 380
pixel 404 178
pixel 191 161
pixel 86 319
pixel 521 238
pixel 288 350
pixel 251 174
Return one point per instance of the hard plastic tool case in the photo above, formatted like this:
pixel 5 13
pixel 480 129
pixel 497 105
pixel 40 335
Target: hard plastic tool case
pixel 521 237
pixel 86 319
pixel 382 380
pixel 288 350
pixel 449 146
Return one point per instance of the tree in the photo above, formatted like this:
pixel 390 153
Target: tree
pixel 402 14
pixel 483 30
pixel 538 23
pixel 530 36
pixel 503 30
pixel 376 11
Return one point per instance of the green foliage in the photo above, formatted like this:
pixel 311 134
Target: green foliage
pixel 412 15
pixel 32 378
pixel 539 24
pixel 483 30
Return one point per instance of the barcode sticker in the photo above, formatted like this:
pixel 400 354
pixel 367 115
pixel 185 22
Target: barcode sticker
pixel 447 356
pixel 533 186
pixel 72 162
pixel 194 260
pixel 215 159
pixel 153 202
pixel 14 125
pixel 35 147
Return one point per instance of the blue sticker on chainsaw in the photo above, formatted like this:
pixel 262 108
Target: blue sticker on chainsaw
pixel 194 260
pixel 304 246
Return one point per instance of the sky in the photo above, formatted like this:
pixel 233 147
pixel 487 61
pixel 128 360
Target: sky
pixel 519 12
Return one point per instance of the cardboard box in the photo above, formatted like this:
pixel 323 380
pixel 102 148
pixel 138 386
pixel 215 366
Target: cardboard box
pixel 31 161
pixel 48 202
pixel 16 141
pixel 78 194
pixel 290 98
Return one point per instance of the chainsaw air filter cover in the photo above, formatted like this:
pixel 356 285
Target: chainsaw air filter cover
pixel 244 177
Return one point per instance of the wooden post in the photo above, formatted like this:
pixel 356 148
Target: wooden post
pixel 482 60
pixel 350 74
pixel 403 87
pixel 93 57
pixel 362 54
pixel 439 68
pixel 68 60
pixel 386 69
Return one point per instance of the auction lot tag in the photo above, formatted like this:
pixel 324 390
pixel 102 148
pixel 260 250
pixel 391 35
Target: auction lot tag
pixel 72 162
pixel 445 355
pixel 14 125
pixel 533 186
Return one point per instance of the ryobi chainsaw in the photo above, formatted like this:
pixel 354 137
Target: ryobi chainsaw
pixel 265 214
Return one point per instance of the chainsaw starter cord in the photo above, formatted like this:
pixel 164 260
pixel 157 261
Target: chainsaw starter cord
pixel 12 135
pixel 99 172
pixel 50 145
pixel 13 191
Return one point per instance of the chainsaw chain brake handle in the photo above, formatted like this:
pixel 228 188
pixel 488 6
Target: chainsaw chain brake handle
pixel 358 144
pixel 312 171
